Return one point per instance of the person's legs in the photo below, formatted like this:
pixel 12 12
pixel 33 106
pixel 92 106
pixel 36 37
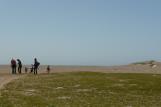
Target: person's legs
pixel 35 70
pixel 15 70
pixel 12 70
pixel 20 69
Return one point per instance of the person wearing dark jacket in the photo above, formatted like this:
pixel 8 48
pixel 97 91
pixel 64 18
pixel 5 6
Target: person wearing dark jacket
pixel 19 66
pixel 13 66
pixel 36 65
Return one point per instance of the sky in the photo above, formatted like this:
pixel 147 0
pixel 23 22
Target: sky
pixel 80 32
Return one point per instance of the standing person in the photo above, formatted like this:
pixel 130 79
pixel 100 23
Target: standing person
pixel 48 69
pixel 19 66
pixel 13 66
pixel 36 65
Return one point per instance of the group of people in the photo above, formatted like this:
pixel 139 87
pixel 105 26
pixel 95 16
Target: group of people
pixel 14 64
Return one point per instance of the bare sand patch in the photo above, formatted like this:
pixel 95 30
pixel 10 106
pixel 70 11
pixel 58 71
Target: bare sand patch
pixel 5 79
pixel 64 98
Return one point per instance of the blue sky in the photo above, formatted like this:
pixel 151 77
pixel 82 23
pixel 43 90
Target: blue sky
pixel 80 32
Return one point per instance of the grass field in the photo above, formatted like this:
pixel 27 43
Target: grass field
pixel 83 89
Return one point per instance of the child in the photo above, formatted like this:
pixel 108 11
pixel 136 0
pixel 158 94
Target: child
pixel 32 68
pixel 48 69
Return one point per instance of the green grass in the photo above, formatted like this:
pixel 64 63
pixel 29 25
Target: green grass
pixel 83 89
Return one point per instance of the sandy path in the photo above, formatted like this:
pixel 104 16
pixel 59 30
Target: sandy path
pixel 5 79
